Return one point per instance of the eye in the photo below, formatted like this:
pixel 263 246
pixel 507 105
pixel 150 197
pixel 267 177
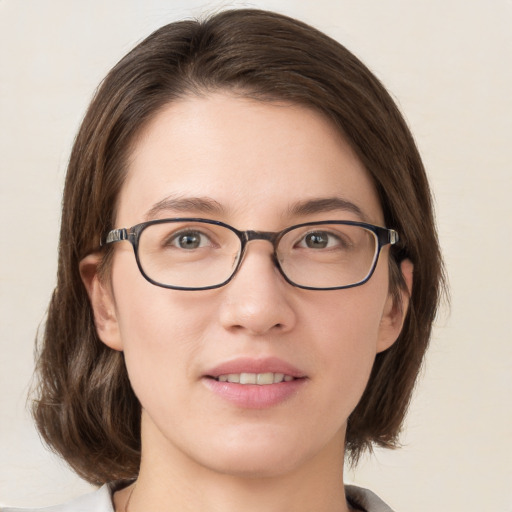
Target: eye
pixel 188 240
pixel 319 240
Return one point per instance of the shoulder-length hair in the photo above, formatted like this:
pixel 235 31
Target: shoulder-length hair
pixel 85 408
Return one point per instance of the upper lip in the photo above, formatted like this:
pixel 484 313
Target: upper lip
pixel 255 365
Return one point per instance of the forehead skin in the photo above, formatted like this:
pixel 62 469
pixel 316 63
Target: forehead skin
pixel 256 159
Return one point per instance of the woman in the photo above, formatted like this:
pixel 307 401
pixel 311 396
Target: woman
pixel 231 317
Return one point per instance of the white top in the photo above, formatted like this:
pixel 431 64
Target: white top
pixel 101 501
pixel 97 501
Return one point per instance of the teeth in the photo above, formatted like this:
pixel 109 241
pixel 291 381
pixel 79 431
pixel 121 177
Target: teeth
pixel 262 379
pixel 248 378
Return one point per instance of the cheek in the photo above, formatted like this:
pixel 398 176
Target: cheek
pixel 161 330
pixel 150 314
pixel 347 330
pixel 348 321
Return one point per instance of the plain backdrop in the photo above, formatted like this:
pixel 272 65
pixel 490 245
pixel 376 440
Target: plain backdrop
pixel 448 63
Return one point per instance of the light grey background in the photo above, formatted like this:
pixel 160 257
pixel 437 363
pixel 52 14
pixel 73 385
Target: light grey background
pixel 449 65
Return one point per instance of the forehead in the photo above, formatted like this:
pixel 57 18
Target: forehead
pixel 254 160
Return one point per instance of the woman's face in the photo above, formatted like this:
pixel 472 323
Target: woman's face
pixel 249 164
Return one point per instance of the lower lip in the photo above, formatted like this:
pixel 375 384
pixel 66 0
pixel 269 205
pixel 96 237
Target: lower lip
pixel 253 396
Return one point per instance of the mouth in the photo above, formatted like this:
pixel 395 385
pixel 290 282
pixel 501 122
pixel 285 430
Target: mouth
pixel 259 379
pixel 255 383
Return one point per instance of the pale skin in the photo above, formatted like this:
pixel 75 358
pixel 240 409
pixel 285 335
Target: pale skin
pixel 253 161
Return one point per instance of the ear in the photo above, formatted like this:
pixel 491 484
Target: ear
pixel 102 302
pixel 395 310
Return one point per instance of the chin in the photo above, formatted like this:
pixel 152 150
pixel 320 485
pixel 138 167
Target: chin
pixel 251 465
pixel 263 455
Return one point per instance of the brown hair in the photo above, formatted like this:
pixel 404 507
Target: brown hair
pixel 85 408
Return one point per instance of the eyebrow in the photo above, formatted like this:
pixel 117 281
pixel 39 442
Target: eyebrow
pixel 185 204
pixel 328 204
pixel 207 205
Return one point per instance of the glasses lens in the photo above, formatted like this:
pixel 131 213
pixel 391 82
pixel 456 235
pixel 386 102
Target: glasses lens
pixel 327 255
pixel 188 254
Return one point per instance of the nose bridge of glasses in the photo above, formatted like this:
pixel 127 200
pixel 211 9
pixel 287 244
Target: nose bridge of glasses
pixel 269 236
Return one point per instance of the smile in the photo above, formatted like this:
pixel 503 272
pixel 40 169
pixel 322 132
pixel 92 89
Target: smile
pixel 255 383
pixel 260 379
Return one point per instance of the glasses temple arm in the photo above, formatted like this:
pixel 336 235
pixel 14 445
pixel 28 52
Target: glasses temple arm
pixel 116 235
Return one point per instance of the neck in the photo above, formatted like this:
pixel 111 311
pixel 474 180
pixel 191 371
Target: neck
pixel 170 480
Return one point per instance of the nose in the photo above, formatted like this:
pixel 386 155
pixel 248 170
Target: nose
pixel 258 299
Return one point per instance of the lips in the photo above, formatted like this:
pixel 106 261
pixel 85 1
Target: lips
pixel 255 383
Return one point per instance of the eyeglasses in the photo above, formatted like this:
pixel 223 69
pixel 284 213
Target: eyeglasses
pixel 200 254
